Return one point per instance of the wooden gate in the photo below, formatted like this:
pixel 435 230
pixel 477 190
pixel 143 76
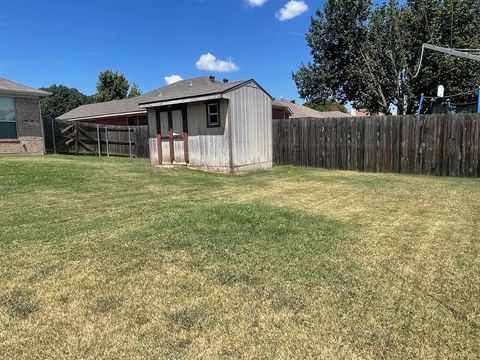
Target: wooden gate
pixel 172 135
pixel 78 138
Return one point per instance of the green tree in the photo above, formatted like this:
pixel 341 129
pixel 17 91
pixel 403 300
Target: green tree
pixel 111 86
pixel 449 23
pixel 368 55
pixel 134 90
pixel 62 100
pixel 333 37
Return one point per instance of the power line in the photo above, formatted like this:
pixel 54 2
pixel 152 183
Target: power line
pixel 454 95
pixel 470 54
pixel 450 51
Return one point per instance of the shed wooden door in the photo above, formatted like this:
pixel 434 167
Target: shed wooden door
pixel 173 134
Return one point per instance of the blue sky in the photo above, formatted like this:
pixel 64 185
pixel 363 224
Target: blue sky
pixel 69 42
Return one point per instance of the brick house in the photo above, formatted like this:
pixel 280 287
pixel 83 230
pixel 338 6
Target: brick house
pixel 20 119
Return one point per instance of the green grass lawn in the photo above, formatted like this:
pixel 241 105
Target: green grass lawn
pixel 112 258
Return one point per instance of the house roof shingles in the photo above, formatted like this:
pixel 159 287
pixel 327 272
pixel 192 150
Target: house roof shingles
pixel 300 111
pixel 191 88
pixel 182 89
pixel 124 106
pixel 279 104
pixel 11 87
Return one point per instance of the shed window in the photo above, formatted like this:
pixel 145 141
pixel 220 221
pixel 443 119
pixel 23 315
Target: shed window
pixel 8 123
pixel 213 114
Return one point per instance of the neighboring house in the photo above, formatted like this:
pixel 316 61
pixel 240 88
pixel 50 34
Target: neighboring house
pixel 363 113
pixel 299 111
pixel 224 126
pixel 21 129
pixel 280 110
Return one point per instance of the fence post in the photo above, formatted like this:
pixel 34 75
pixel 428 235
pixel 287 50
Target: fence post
pixel 76 138
pixel 106 140
pixel 53 137
pixel 129 142
pixel 99 142
pixel 420 104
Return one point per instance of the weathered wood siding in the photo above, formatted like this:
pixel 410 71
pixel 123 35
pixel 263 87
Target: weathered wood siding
pixel 251 118
pixel 243 141
pixel 152 136
pixel 208 147
pixel 179 157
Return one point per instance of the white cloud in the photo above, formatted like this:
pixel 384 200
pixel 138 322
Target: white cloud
pixel 209 62
pixel 172 79
pixel 292 9
pixel 255 3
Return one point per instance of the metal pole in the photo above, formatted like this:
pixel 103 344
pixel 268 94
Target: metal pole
pixel 478 105
pixel 99 141
pixel 106 139
pixel 420 104
pixel 53 137
pixel 129 142
pixel 42 125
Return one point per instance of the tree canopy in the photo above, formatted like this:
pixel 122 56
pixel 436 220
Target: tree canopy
pixel 327 105
pixel 111 85
pixel 367 54
pixel 134 90
pixel 62 100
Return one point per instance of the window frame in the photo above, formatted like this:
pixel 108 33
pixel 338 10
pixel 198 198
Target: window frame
pixel 219 119
pixel 14 121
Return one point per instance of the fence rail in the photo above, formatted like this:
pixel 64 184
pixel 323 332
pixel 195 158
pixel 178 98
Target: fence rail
pixel 77 138
pixel 443 145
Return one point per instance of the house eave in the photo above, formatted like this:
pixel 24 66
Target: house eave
pixel 95 117
pixel 181 101
pixel 23 93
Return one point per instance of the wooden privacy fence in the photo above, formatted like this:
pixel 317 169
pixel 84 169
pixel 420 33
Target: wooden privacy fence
pixel 77 138
pixel 447 145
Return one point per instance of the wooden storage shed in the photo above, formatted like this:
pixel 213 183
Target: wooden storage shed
pixel 221 126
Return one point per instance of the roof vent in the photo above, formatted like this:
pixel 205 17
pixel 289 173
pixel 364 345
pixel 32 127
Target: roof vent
pixel 225 80
pixel 212 78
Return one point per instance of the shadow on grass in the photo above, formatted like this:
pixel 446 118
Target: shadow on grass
pixel 184 318
pixel 267 250
pixel 107 303
pixel 20 303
